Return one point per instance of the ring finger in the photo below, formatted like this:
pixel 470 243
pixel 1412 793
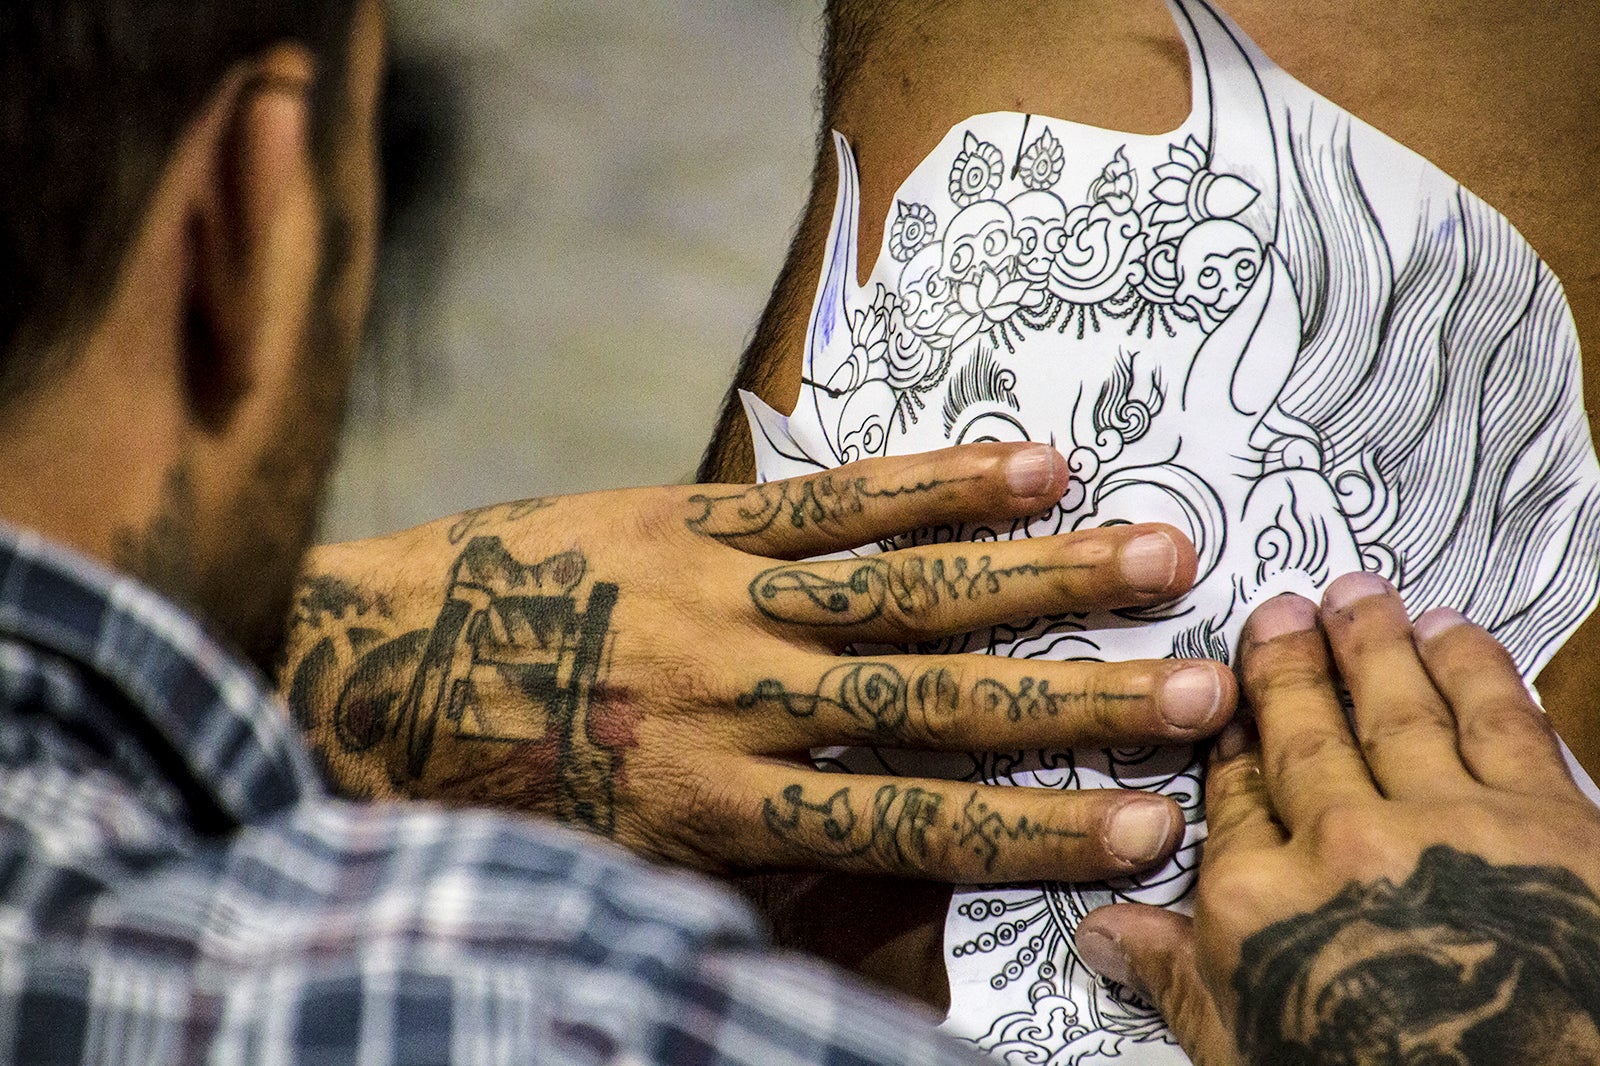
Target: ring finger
pixel 986 703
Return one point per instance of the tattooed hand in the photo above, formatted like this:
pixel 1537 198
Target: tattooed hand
pixel 646 665
pixel 1415 886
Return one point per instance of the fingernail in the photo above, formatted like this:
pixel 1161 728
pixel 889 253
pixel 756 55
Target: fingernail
pixel 1434 622
pixel 1032 471
pixel 1280 616
pixel 1190 697
pixel 1353 587
pixel 1149 563
pixel 1104 956
pixel 1139 831
pixel 1232 741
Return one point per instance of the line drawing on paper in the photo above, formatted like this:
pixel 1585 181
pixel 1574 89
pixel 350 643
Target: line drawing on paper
pixel 1274 328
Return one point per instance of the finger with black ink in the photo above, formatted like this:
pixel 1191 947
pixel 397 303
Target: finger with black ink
pixel 941 590
pixel 969 703
pixel 959 832
pixel 876 499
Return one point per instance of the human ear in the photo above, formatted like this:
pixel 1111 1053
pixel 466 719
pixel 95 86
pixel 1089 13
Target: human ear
pixel 255 237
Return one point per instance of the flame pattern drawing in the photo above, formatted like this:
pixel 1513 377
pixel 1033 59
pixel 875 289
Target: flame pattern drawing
pixel 1274 328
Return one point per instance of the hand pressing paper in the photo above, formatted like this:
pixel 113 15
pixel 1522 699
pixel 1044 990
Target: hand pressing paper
pixel 1274 328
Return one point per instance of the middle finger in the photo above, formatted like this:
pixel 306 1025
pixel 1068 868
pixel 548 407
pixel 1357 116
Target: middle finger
pixel 1405 730
pixel 941 590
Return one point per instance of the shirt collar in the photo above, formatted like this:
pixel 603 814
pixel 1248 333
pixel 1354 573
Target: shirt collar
pixel 220 724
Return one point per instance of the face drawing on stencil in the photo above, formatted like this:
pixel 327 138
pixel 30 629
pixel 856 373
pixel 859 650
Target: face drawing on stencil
pixel 1129 317
pixel 1275 329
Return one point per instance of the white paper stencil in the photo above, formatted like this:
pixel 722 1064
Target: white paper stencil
pixel 1275 328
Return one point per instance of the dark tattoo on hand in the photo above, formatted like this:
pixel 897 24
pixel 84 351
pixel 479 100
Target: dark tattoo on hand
pixel 874 694
pixel 1034 698
pixel 513 660
pixel 1465 963
pixel 347 616
pixel 880 697
pixel 811 502
pixel 812 594
pixel 894 832
pixel 985 832
pixel 469 522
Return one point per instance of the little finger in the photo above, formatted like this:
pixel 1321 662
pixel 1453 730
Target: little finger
pixel 956 831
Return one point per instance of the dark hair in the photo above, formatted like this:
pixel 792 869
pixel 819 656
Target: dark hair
pixel 93 97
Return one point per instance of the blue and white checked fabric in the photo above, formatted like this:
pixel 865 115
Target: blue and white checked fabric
pixel 176 886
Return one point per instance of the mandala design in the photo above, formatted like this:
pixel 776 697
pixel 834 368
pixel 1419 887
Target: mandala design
pixel 913 230
pixel 1041 164
pixel 976 173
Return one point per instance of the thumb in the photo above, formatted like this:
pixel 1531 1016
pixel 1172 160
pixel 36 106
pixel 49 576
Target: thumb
pixel 1151 951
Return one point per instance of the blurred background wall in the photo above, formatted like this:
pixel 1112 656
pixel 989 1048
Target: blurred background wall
pixel 591 200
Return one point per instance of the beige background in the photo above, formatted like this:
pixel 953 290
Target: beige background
pixel 629 176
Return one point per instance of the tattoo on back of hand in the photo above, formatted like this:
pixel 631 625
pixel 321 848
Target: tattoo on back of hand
pixel 469 522
pixel 512 667
pixel 1465 963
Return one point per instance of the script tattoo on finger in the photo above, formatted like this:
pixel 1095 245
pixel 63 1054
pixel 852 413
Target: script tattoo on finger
pixel 804 503
pixel 856 592
pixel 893 831
pixel 872 693
pixel 501 700
pixel 985 832
pixel 1465 962
pixel 1032 699
pixel 469 522
pixel 880 697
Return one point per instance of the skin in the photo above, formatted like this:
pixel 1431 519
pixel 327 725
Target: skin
pixel 1512 91
pixel 660 687
pixel 1445 771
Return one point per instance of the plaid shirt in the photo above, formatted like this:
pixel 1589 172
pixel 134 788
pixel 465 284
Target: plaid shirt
pixel 176 886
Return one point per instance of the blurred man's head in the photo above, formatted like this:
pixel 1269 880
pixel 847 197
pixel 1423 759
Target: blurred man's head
pixel 187 203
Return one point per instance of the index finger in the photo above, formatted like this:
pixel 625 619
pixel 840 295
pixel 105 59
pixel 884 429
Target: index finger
pixel 878 498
